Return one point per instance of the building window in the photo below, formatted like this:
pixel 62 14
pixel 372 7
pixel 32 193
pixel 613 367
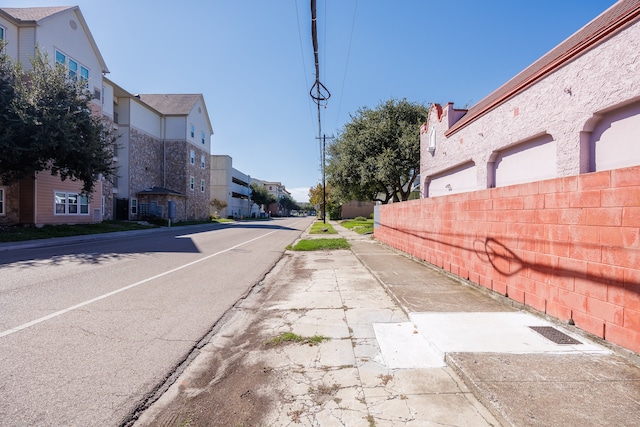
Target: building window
pixel 2 200
pixel 73 67
pixel 61 58
pixel 134 207
pixel 192 183
pixel 202 137
pixel 202 185
pixel 202 161
pixel 1 33
pixel 61 203
pixel 192 130
pixel 192 157
pixel 71 204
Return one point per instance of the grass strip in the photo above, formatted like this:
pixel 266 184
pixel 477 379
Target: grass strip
pixel 359 226
pixel 319 227
pixel 17 234
pixel 320 244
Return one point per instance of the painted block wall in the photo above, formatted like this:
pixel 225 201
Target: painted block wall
pixel 568 247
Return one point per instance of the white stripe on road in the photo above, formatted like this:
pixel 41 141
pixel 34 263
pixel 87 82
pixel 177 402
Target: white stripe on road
pixel 117 291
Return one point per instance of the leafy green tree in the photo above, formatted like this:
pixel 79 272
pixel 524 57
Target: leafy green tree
pixel 376 156
pixel 288 204
pixel 46 124
pixel 261 196
pixel 316 196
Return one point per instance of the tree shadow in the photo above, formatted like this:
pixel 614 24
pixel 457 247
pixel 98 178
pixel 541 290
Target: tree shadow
pixel 104 248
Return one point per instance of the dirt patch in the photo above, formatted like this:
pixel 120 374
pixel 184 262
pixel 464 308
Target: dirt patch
pixel 228 386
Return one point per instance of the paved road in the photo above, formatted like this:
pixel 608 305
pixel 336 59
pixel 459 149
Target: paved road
pixel 89 330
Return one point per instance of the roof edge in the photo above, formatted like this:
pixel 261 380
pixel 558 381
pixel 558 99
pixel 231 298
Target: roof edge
pixel 581 48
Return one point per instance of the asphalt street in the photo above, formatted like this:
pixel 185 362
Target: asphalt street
pixel 90 329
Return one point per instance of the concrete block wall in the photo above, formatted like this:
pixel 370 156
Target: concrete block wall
pixel 568 247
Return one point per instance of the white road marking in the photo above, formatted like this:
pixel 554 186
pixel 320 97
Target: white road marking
pixel 117 291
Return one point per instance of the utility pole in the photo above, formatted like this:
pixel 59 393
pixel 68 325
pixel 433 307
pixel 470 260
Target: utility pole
pixel 324 176
pixel 319 93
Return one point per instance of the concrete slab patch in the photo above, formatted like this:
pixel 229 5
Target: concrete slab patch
pixel 429 380
pixel 308 300
pixel 503 332
pixel 402 347
pixel 324 322
pixel 373 298
pixel 580 389
pixel 428 409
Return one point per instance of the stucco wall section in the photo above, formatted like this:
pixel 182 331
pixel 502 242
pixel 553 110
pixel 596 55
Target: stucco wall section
pixel 560 105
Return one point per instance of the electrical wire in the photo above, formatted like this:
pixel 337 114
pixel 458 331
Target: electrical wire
pixel 304 67
pixel 346 67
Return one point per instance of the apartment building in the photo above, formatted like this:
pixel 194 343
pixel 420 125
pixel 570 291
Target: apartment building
pixel 162 156
pixel 62 34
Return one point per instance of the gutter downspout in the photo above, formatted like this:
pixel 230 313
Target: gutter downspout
pixel 164 152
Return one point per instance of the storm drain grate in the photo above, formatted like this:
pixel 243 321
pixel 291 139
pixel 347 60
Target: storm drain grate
pixel 554 335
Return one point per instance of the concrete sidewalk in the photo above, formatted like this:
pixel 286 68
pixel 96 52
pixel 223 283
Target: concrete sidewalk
pixel 522 377
pixel 407 346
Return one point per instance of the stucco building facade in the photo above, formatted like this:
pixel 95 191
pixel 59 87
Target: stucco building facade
pixel 534 192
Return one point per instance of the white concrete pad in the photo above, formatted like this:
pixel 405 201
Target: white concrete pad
pixel 402 347
pixel 503 332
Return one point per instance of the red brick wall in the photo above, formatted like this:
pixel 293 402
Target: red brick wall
pixel 568 247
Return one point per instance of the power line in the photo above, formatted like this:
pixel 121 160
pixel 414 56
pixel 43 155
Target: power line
pixel 319 93
pixel 304 67
pixel 353 25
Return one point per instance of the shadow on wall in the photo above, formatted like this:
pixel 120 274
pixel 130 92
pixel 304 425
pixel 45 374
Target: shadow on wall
pixel 504 260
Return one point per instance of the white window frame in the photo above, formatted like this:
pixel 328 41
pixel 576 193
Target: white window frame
pixel 202 137
pixel 67 204
pixel 192 157
pixel 83 200
pixel 73 203
pixel 133 206
pixel 2 202
pixel 202 185
pixel 74 68
pixel 192 130
pixel 202 161
pixel 192 183
pixel 2 32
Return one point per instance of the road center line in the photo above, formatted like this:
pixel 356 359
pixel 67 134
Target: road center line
pixel 117 291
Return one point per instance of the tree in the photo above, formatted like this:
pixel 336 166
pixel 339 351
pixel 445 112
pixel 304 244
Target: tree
pixel 261 196
pixel 46 124
pixel 316 196
pixel 288 204
pixel 376 156
pixel 218 205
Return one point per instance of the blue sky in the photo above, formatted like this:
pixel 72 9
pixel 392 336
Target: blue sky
pixel 253 61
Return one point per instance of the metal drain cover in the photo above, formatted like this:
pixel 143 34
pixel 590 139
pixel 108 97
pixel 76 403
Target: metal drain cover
pixel 554 335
